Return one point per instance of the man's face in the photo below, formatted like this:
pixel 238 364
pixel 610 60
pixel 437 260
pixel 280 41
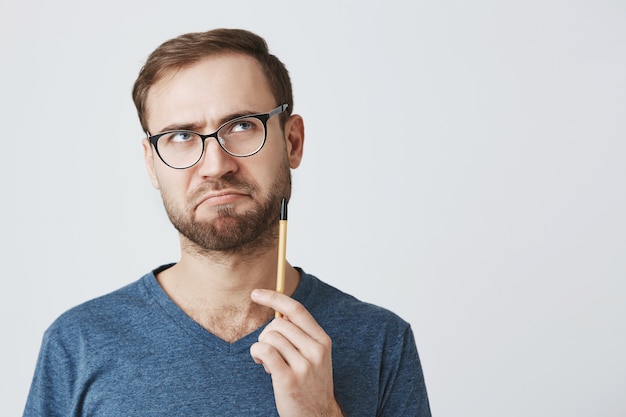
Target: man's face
pixel 223 202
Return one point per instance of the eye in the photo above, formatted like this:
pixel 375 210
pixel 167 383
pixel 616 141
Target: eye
pixel 181 136
pixel 241 126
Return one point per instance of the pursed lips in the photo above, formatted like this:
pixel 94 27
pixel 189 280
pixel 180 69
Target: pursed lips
pixel 221 197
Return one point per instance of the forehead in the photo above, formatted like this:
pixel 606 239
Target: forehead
pixel 208 89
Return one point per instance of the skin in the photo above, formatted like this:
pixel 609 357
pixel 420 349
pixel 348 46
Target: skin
pixel 229 290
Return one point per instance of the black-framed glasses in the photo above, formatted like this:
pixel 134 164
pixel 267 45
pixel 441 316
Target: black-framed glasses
pixel 241 136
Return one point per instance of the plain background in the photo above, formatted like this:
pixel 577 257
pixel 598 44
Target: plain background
pixel 464 166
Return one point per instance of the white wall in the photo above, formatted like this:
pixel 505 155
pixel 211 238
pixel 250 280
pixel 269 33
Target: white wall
pixel 464 167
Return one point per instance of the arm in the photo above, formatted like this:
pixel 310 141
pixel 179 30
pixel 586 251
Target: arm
pixel 296 352
pixel 50 387
pixel 402 381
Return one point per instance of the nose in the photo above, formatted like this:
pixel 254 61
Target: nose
pixel 215 161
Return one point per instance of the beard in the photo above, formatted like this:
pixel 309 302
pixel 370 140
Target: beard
pixel 229 232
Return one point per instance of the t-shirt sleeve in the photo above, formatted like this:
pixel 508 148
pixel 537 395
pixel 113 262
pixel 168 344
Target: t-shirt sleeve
pixel 403 388
pixel 51 386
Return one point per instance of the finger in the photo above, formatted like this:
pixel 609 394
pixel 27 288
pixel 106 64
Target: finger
pixel 267 355
pixel 293 310
pixel 299 341
pixel 291 355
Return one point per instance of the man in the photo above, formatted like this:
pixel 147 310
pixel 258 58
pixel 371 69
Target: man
pixel 199 337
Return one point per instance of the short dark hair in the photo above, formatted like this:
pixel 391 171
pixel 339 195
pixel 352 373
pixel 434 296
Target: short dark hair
pixel 188 49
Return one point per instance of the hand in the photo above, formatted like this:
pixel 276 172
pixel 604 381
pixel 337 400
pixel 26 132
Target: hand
pixel 296 352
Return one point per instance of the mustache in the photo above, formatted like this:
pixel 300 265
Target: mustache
pixel 228 182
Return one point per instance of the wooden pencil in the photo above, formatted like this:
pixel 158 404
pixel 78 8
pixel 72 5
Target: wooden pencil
pixel 282 250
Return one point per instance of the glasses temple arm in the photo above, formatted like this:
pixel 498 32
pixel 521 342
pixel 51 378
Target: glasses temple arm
pixel 278 109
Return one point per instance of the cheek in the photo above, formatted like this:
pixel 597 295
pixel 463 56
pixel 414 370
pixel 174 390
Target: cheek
pixel 171 183
pixel 262 172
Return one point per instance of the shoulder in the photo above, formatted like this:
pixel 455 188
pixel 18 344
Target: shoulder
pixel 323 296
pixel 120 306
pixel 342 313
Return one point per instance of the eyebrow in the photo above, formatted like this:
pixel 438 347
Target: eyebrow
pixel 196 126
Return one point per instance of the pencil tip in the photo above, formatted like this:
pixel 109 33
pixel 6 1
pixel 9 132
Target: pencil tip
pixel 283 209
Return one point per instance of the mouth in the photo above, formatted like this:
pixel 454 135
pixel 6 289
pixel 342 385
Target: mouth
pixel 221 198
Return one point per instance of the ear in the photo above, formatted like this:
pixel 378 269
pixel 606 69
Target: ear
pixel 294 135
pixel 148 156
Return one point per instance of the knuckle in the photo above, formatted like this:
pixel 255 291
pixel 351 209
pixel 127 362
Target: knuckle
pixel 260 349
pixel 291 379
pixel 302 368
pixel 296 309
pixel 269 336
pixel 326 342
pixel 318 356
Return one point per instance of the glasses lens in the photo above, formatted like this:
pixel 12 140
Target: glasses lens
pixel 180 149
pixel 243 136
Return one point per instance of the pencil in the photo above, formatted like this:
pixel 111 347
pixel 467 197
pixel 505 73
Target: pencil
pixel 282 250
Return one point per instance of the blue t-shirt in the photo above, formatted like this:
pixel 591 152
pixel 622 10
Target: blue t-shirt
pixel 135 353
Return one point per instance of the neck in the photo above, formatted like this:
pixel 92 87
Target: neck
pixel 214 289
